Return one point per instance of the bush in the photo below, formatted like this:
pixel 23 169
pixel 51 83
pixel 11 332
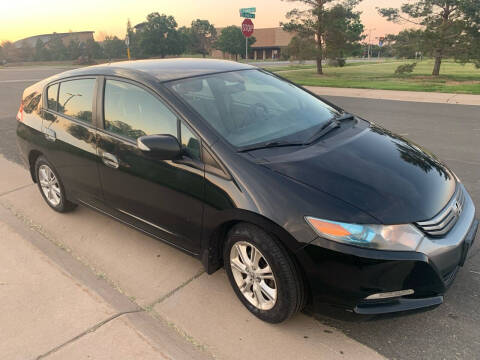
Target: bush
pixel 84 60
pixel 337 62
pixel 405 69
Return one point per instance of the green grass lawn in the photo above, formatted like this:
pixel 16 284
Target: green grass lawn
pixel 454 77
pixel 289 67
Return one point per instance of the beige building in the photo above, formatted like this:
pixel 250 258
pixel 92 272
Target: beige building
pixel 270 42
pixel 81 36
pixel 268 45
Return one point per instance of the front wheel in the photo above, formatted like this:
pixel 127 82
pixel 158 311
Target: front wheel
pixel 262 274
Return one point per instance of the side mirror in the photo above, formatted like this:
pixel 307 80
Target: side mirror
pixel 162 147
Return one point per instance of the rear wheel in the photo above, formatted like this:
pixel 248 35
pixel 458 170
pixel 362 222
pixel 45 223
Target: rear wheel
pixel 262 274
pixel 51 187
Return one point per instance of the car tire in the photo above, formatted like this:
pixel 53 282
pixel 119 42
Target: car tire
pixel 249 253
pixel 51 186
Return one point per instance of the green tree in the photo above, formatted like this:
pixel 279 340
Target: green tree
pixel 343 30
pixel 56 48
pixel 93 50
pixel 407 42
pixel 318 19
pixel 448 26
pixel 232 41
pixel 114 48
pixel 159 36
pixel 468 44
pixel 203 35
pixel 301 48
pixel 9 51
pixel 185 34
pixel 41 52
pixel 25 52
pixel 75 49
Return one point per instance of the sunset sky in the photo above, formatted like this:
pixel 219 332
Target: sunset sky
pixel 23 18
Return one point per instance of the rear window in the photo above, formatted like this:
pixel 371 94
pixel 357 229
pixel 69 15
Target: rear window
pixel 75 99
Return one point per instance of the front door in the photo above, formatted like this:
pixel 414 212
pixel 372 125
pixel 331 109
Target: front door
pixel 161 197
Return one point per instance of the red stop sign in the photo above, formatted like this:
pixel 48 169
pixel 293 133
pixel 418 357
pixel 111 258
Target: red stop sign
pixel 247 27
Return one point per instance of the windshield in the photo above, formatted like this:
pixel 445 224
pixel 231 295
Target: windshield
pixel 252 107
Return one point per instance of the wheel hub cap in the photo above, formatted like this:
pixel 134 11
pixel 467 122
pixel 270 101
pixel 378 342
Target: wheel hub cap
pixel 49 184
pixel 253 275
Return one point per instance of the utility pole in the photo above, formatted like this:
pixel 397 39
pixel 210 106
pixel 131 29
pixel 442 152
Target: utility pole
pixel 370 42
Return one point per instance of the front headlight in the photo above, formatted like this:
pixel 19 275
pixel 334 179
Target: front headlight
pixel 403 237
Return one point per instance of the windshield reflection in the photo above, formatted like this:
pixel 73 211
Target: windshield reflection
pixel 250 107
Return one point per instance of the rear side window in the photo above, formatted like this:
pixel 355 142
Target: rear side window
pixel 52 97
pixel 131 111
pixel 75 99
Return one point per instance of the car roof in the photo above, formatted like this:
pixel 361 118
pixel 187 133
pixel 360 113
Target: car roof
pixel 161 69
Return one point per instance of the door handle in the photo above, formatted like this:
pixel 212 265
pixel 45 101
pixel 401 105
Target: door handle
pixel 110 160
pixel 49 134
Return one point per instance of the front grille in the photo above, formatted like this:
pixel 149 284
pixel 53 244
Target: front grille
pixel 445 219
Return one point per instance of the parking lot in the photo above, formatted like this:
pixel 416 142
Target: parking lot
pixel 172 287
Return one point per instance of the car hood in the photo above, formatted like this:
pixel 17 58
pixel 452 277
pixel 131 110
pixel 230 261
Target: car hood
pixel 371 168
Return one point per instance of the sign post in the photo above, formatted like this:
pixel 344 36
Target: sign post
pixel 247 25
pixel 247 30
pixel 380 44
pixel 127 42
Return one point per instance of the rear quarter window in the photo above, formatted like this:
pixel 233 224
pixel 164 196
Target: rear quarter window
pixel 52 97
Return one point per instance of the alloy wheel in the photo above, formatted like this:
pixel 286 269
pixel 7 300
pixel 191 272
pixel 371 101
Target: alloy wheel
pixel 50 185
pixel 253 275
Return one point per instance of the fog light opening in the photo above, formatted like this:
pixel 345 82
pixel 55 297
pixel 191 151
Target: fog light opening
pixel 392 294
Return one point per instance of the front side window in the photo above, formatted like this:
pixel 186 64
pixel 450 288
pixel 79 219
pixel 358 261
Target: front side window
pixel 131 112
pixel 190 142
pixel 75 99
pixel 250 107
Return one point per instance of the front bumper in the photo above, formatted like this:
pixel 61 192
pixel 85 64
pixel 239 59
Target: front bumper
pixel 344 276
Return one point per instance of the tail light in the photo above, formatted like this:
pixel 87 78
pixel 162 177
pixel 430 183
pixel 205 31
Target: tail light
pixel 20 112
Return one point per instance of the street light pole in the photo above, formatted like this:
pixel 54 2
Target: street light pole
pixel 370 43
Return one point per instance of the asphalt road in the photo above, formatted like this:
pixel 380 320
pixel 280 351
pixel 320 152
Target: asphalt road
pixel 452 132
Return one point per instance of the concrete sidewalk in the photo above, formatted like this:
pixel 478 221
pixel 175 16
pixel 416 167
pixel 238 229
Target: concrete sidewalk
pixel 416 96
pixel 54 307
pixel 81 285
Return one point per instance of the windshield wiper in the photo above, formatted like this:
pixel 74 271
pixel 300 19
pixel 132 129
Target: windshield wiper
pixel 325 129
pixel 345 116
pixel 269 144
pixel 331 125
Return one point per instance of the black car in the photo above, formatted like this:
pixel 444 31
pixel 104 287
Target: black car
pixel 301 202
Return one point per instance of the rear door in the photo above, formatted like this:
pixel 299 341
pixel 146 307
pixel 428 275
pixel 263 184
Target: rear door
pixel 161 197
pixel 69 127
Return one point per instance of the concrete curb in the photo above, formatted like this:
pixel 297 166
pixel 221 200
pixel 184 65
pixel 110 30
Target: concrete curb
pixel 415 96
pixel 157 331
